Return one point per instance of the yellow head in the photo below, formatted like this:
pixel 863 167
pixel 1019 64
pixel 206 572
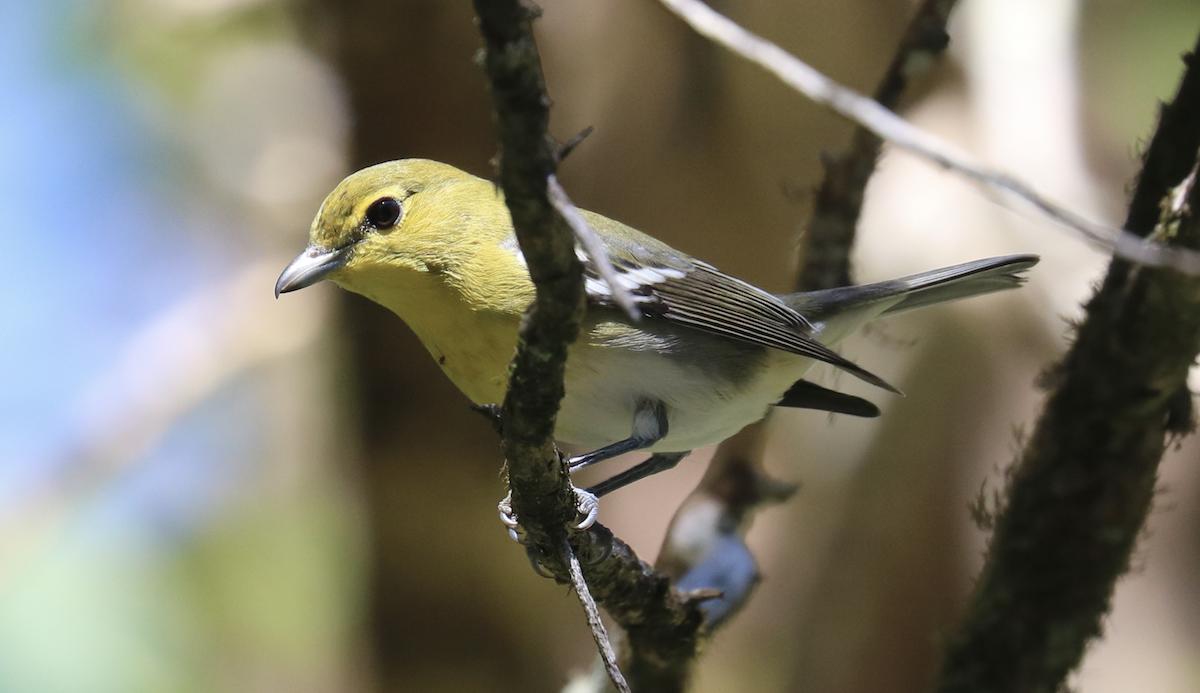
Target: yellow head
pixel 435 245
pixel 409 225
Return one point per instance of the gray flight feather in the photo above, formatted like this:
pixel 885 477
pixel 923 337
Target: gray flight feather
pixel 668 285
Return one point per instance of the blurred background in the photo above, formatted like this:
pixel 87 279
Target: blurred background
pixel 204 489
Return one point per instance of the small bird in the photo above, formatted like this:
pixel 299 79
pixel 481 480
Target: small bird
pixel 709 355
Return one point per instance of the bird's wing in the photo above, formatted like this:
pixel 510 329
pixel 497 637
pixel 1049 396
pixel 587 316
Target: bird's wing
pixel 668 285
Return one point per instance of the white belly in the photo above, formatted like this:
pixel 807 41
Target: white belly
pixel 705 405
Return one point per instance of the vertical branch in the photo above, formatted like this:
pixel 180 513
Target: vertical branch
pixel 1085 484
pixel 655 616
pixel 528 157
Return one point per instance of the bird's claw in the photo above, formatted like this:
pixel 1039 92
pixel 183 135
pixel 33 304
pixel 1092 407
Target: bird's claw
pixel 588 505
pixel 507 516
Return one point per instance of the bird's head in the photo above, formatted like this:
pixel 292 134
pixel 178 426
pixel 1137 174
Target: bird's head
pixel 396 222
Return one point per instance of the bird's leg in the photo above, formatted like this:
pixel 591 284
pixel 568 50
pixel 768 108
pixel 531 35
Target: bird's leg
pixel 658 462
pixel 649 427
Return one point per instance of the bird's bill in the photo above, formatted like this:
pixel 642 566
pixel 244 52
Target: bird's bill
pixel 311 266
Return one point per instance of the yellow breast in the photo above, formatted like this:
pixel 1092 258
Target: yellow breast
pixel 478 365
pixel 472 339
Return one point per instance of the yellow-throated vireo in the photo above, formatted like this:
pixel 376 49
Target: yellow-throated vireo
pixel 712 354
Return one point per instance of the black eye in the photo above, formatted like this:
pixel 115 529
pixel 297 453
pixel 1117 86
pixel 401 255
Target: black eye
pixel 383 213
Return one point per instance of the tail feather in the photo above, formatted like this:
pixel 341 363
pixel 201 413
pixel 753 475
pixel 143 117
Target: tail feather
pixel 917 290
pixel 964 281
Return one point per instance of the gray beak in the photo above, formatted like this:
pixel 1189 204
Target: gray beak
pixel 313 265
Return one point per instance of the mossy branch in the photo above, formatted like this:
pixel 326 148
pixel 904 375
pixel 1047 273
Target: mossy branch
pixel 1085 484
pixel 659 622
pixel 542 495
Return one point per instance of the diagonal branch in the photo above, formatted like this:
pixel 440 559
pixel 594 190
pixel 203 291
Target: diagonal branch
pixel 900 133
pixel 1085 483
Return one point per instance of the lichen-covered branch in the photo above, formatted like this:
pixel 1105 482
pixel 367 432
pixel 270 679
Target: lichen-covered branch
pixel 541 492
pixel 1084 486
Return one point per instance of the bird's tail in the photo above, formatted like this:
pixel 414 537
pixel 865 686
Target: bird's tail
pixel 918 290
pixel 851 306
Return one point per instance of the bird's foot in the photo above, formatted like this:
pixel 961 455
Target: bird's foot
pixel 509 518
pixel 586 505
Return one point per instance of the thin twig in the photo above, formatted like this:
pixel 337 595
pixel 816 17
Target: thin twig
pixel 592 245
pixel 879 120
pixel 599 634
